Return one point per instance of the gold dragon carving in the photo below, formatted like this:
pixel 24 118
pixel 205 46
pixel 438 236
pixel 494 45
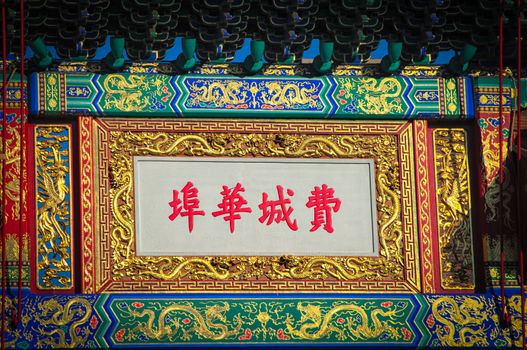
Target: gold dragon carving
pixel 60 319
pixel 209 325
pixel 513 336
pixel 383 149
pixel 365 321
pixel 125 94
pixel 316 325
pixel 378 96
pixel 453 208
pixel 462 320
pixel 288 94
pixel 53 242
pixel 221 93
pixel 130 93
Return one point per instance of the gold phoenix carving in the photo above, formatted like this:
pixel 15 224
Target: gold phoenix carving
pixel 453 209
pixel 53 243
pixel 382 148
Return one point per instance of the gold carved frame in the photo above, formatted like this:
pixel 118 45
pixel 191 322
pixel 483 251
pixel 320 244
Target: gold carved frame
pixel 109 257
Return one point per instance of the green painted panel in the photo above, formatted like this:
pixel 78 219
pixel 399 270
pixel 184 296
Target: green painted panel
pixel 228 96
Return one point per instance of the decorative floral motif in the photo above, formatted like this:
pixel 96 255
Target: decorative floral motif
pixel 119 335
pixel 94 322
pixel 430 321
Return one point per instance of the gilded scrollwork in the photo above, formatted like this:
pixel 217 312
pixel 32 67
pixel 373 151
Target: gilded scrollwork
pixel 53 207
pixel 383 149
pixel 453 209
pixel 286 70
pixel 220 68
pixel 421 71
pixel 12 248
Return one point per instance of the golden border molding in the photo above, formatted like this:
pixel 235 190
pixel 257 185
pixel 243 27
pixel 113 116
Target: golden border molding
pixel 390 144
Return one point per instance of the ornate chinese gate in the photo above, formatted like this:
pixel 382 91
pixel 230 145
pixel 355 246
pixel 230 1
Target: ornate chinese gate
pixel 160 204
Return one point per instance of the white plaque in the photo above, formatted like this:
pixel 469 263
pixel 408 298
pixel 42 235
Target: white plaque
pixel 329 205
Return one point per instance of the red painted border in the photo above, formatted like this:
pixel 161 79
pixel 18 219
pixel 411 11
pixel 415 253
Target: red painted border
pixel 31 197
pixel 87 202
pixel 424 206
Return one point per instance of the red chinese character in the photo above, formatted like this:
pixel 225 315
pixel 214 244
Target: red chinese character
pixel 190 204
pixel 232 204
pixel 323 202
pixel 278 210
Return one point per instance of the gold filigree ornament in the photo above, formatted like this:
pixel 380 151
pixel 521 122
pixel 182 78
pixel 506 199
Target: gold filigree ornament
pixel 123 146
